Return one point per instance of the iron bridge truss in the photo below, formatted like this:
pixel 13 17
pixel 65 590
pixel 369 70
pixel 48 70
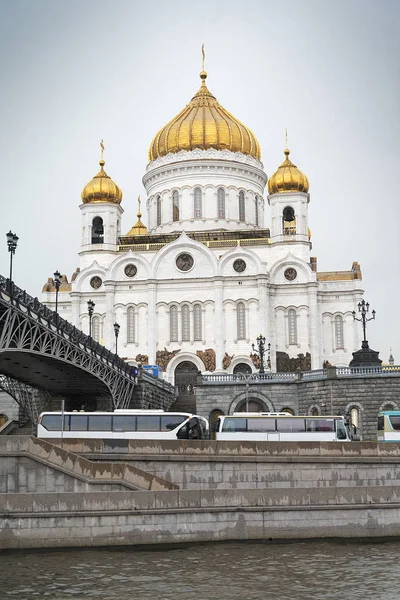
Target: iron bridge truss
pixel 28 326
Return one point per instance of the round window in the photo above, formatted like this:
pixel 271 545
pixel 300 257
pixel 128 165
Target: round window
pixel 239 265
pixel 290 274
pixel 96 282
pixel 184 262
pixel 130 270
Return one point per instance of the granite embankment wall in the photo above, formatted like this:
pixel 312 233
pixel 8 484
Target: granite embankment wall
pixel 234 491
pixel 211 465
pixel 28 464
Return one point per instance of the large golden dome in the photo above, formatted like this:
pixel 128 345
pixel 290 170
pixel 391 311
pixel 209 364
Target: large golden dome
pixel 101 188
pixel 288 178
pixel 204 123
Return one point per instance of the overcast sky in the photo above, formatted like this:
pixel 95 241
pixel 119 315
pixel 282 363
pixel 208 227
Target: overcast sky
pixel 74 72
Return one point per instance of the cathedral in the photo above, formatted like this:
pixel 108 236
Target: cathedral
pixel 226 256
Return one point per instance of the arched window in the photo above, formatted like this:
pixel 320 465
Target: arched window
pixel 355 418
pixel 256 209
pixel 197 329
pixel 97 231
pixel 221 203
pixel 242 214
pixel 339 332
pixel 130 325
pixel 173 324
pixel 241 321
pixel 175 206
pixel 243 368
pixel 96 329
pixel 292 323
pixel 185 324
pixel 197 203
pixel 159 210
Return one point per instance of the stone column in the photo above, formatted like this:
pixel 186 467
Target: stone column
pixel 152 321
pixel 263 309
pixel 75 310
pixel 271 326
pixel 314 330
pixel 219 323
pixel 108 327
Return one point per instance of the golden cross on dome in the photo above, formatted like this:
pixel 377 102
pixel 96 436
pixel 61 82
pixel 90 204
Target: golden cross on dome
pixel 203 54
pixel 102 149
pixel 286 137
pixel 139 214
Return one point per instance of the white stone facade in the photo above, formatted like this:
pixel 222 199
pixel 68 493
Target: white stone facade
pixel 276 291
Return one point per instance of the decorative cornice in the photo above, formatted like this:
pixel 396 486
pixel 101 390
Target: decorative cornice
pixel 197 154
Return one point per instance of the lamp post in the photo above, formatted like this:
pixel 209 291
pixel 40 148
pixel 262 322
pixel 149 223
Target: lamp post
pixel 116 333
pixel 363 309
pixel 12 241
pixel 90 307
pixel 57 283
pixel 261 348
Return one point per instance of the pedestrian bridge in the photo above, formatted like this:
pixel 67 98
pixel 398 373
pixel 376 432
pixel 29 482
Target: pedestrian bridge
pixel 42 354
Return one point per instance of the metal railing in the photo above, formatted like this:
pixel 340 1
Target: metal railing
pixel 329 373
pixel 61 327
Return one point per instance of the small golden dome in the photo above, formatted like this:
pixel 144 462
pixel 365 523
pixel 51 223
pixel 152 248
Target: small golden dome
pixel 139 228
pixel 101 188
pixel 205 124
pixel 288 178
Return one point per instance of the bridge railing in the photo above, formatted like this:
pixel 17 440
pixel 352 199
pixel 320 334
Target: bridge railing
pixel 62 327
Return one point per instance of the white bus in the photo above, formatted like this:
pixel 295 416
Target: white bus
pixel 280 428
pixel 123 424
pixel 389 426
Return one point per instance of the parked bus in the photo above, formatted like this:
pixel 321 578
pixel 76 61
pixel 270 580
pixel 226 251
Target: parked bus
pixel 389 426
pixel 123 424
pixel 281 428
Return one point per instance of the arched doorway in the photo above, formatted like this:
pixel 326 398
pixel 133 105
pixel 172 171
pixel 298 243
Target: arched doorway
pixel 242 368
pixel 3 420
pixel 213 416
pixel 185 385
pixel 251 405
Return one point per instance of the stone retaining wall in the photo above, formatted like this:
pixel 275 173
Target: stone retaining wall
pixel 329 396
pixel 131 518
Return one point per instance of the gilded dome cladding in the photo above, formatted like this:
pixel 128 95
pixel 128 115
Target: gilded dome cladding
pixel 101 189
pixel 205 124
pixel 288 178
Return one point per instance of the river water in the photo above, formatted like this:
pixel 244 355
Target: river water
pixel 320 570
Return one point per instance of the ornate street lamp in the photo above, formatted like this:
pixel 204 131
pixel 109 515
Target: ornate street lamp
pixel 57 283
pixel 116 332
pixel 90 307
pixel 363 309
pixel 12 241
pixel 261 349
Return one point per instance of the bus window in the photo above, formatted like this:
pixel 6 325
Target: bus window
pixel 168 423
pixel 99 422
pixel 52 422
pixel 341 430
pixel 234 425
pixel 381 422
pixel 79 422
pixel 287 425
pixel 124 423
pixel 319 425
pixel 395 422
pixel 260 425
pixel 148 423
